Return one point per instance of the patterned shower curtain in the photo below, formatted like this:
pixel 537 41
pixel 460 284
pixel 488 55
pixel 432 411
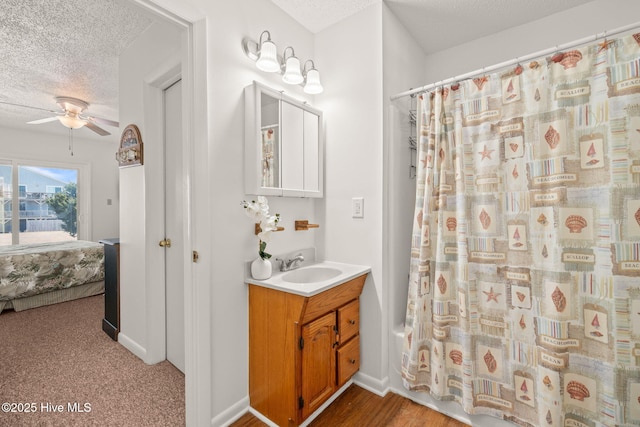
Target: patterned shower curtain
pixel 524 293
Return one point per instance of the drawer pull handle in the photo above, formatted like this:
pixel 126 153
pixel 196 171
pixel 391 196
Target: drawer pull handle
pixel 352 322
pixel 352 361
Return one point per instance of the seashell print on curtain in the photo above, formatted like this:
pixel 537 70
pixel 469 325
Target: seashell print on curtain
pixel 524 291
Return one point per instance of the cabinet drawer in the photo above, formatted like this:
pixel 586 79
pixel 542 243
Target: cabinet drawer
pixel 348 360
pixel 348 321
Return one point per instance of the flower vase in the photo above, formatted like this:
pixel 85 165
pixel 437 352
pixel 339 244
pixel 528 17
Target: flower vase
pixel 261 269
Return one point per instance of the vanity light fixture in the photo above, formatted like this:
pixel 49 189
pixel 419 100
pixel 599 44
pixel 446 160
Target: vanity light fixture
pixel 265 54
pixel 312 83
pixel 292 74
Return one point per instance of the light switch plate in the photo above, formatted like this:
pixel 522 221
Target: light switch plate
pixel 357 207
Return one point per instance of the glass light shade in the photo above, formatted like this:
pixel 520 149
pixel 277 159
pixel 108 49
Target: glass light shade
pixel 292 74
pixel 313 85
pixel 268 59
pixel 71 121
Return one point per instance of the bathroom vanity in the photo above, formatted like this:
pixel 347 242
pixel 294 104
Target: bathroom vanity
pixel 304 344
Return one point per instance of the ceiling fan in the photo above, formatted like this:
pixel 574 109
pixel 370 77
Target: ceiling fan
pixel 72 115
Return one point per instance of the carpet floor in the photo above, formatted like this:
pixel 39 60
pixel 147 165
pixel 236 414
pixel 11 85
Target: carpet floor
pixel 57 368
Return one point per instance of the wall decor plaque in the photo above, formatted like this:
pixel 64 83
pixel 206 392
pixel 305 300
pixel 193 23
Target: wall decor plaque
pixel 130 152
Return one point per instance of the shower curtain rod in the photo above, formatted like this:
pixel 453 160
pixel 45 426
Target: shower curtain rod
pixel 517 60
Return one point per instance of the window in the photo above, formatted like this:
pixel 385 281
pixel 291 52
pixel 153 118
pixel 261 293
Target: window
pixel 53 189
pixel 46 209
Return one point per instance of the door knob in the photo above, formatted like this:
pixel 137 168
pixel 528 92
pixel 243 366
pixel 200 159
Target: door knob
pixel 166 243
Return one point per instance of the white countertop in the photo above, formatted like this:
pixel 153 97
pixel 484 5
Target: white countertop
pixel 347 272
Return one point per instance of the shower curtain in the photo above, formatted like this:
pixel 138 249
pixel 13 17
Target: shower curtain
pixel 524 290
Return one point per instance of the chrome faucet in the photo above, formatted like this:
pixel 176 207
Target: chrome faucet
pixel 290 264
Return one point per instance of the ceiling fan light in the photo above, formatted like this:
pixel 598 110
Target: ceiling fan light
pixel 71 121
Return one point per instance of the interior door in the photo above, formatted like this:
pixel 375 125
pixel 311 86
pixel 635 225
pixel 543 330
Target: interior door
pixel 174 284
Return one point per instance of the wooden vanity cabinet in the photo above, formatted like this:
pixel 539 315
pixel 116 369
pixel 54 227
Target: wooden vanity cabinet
pixel 301 349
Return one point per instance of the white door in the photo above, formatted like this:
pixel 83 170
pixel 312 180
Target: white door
pixel 173 225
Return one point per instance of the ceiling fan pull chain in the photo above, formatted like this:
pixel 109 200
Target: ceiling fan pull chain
pixel 71 141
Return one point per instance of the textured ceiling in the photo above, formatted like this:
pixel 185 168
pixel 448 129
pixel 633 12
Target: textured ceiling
pixel 63 48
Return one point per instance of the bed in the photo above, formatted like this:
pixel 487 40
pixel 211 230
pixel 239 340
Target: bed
pixel 40 274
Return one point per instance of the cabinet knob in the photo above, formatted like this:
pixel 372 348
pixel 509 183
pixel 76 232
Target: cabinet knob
pixel 352 361
pixel 352 322
pixel 165 243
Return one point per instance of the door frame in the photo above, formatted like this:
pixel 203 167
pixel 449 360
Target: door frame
pixel 192 62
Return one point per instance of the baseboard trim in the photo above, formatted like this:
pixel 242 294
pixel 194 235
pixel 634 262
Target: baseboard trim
pixel 262 418
pixel 311 417
pixel 374 385
pixel 132 346
pixel 234 412
pixel 231 414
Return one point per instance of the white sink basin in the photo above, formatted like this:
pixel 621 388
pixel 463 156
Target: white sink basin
pixel 310 279
pixel 311 274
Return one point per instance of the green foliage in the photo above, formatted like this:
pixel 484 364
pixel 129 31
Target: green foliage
pixel 261 252
pixel 64 204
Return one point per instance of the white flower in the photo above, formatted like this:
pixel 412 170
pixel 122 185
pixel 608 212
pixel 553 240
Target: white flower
pixel 268 224
pixel 264 204
pixel 257 211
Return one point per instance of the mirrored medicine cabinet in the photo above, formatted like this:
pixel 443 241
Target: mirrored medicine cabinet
pixel 283 145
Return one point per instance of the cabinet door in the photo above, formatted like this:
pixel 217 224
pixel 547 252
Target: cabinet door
pixel 318 363
pixel 292 147
pixel 312 154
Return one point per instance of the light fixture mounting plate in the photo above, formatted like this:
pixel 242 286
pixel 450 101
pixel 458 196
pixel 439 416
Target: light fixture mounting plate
pixel 74 105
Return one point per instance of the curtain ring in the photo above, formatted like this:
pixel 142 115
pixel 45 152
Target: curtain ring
pixel 518 70
pixel 605 44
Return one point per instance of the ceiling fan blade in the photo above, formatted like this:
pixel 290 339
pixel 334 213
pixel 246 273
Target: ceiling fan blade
pixel 28 106
pixel 96 129
pixel 39 121
pixel 102 121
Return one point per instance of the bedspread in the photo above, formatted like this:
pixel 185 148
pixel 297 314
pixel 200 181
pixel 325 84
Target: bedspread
pixel 27 270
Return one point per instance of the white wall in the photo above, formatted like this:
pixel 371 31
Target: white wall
pixel 349 57
pixel 404 64
pixel 95 153
pixel 141 189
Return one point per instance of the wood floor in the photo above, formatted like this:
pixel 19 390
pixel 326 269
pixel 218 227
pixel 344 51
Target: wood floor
pixel 358 407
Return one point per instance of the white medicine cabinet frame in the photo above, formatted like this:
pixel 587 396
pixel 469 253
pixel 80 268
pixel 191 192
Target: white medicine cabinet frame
pixel 283 145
